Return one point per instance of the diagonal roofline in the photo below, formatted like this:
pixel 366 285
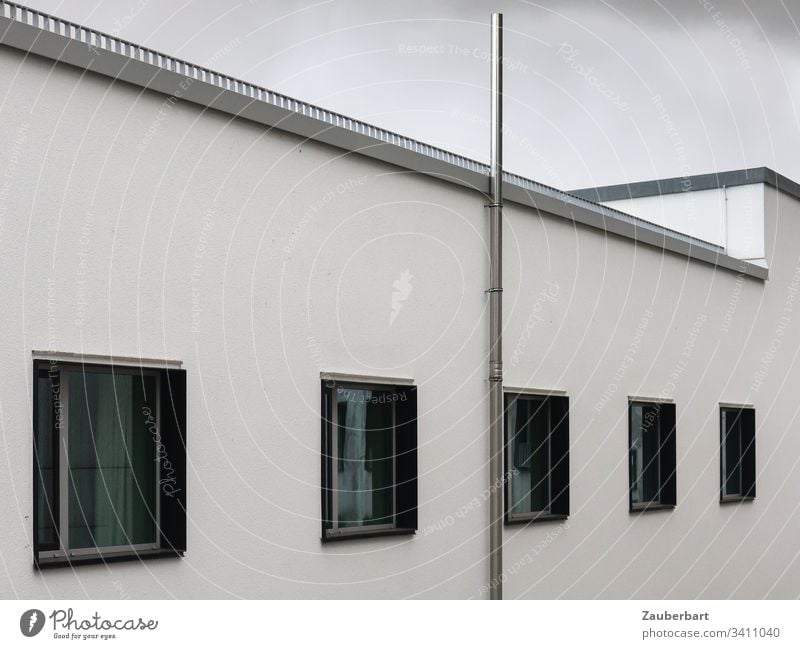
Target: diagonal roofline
pixel 37 33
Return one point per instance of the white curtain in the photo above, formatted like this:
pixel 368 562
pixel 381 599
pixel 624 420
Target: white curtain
pixel 355 482
pixel 637 454
pixel 520 451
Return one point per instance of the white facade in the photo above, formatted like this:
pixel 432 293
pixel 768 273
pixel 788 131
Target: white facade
pixel 132 224
pixel 730 217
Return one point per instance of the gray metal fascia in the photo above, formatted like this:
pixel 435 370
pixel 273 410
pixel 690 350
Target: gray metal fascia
pixel 700 182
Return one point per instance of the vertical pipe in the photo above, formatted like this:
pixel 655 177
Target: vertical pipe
pixel 496 318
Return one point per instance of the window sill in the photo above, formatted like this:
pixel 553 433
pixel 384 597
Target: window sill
pixel 43 563
pixel 724 500
pixel 524 519
pixel 637 508
pixel 352 534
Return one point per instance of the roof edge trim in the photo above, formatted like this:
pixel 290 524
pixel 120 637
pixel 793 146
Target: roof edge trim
pixel 682 184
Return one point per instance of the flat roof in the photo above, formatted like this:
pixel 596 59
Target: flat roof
pixel 682 184
pixel 43 35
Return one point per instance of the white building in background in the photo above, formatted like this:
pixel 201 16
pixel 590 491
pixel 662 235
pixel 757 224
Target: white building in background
pixel 299 297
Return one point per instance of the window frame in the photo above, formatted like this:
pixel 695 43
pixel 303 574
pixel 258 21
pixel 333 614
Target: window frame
pixel 747 453
pixel 166 542
pixel 558 469
pixel 404 505
pixel 667 466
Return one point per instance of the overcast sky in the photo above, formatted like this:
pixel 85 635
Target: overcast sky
pixel 597 92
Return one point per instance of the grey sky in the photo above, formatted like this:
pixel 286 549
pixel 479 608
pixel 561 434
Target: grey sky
pixel 597 92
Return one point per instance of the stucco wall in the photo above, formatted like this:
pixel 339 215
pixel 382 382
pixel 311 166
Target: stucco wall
pixel 628 321
pixel 137 226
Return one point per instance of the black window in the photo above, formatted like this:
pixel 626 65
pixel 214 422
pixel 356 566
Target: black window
pixel 369 459
pixel 737 453
pixel 537 457
pixel 109 462
pixel 651 457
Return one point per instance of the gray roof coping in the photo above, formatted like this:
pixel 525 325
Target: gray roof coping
pixel 695 183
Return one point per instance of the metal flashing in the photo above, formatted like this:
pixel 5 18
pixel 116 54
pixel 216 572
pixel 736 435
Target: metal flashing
pixel 696 183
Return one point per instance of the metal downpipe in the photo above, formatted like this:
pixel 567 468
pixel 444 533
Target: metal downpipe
pixel 496 318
